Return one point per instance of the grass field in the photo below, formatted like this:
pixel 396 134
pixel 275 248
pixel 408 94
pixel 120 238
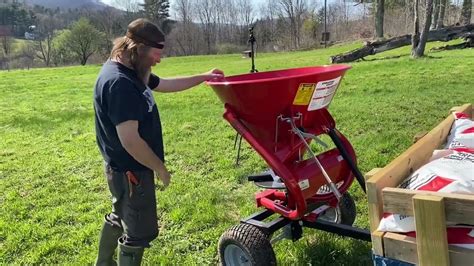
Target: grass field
pixel 53 193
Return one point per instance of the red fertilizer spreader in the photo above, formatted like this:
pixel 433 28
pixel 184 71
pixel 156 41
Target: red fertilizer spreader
pixel 284 116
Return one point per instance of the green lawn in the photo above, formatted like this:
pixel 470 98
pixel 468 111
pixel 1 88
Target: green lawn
pixel 54 194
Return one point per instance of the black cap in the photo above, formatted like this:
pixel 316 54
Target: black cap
pixel 144 31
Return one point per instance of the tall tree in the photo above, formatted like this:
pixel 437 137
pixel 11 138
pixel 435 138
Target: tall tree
pixel 47 25
pixel 466 12
pixel 379 17
pixel 62 54
pixel 292 11
pixel 186 32
pixel 17 18
pixel 109 21
pixel 245 17
pixel 245 12
pixel 84 40
pixel 26 54
pixel 206 17
pixel 418 45
pixel 436 9
pixel 442 12
pixel 7 42
pixel 267 31
pixel 158 12
pixel 230 14
pixel 6 39
pixel 415 37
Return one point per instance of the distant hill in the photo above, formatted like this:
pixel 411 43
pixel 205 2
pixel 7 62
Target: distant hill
pixel 65 4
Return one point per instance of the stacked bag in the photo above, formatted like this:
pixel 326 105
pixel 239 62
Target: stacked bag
pixel 450 170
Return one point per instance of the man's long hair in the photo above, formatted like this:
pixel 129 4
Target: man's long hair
pixel 131 51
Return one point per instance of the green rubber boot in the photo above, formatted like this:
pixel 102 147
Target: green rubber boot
pixel 128 255
pixel 109 236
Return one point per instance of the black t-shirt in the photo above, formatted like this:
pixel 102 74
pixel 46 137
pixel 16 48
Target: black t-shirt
pixel 120 96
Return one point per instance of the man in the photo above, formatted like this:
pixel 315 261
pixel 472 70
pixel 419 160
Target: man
pixel 129 137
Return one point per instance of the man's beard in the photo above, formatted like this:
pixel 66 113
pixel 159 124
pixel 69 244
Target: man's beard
pixel 143 69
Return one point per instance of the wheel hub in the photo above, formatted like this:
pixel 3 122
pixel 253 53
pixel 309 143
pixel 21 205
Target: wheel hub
pixel 331 215
pixel 235 255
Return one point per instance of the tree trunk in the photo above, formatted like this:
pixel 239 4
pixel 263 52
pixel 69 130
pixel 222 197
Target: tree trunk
pixel 408 14
pixel 415 38
pixel 442 11
pixel 436 9
pixel 466 12
pixel 208 41
pixel 6 44
pixel 43 52
pixel 49 43
pixel 379 17
pixel 420 49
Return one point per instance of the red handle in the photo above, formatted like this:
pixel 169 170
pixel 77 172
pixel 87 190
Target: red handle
pixel 278 208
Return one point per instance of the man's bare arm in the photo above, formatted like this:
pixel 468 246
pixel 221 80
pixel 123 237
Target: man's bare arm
pixel 139 149
pixel 184 83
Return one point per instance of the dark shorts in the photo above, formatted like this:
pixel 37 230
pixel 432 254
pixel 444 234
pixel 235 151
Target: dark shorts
pixel 135 212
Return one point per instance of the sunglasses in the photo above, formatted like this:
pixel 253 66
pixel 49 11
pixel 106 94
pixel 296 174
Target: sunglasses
pixel 145 41
pixel 158 45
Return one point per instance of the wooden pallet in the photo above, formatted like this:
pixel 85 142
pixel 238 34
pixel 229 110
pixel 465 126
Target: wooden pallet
pixel 432 210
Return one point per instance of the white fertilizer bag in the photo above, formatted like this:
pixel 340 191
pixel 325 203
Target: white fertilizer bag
pixel 445 152
pixel 462 132
pixel 453 173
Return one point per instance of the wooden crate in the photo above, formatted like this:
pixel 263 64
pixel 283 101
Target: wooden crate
pixel 432 210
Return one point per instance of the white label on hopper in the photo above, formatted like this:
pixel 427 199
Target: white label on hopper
pixel 471 234
pixel 323 94
pixel 304 184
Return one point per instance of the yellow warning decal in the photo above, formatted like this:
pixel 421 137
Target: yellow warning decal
pixel 304 94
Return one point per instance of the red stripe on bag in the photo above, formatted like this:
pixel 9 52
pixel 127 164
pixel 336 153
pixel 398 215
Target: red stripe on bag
pixel 436 184
pixel 466 150
pixel 456 235
pixel 468 131
pixel 459 115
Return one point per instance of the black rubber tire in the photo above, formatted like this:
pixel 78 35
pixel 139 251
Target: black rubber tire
pixel 348 209
pixel 253 241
